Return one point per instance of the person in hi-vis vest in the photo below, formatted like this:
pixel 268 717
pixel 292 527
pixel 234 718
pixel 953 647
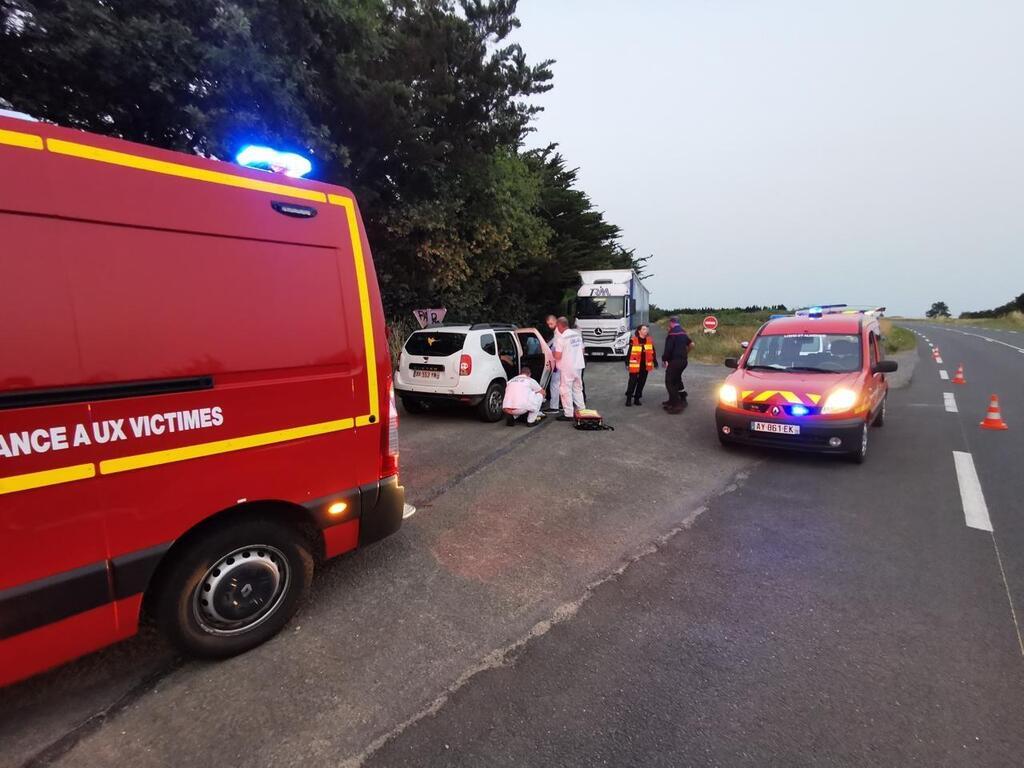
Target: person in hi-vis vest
pixel 641 360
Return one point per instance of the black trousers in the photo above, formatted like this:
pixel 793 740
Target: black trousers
pixel 635 387
pixel 674 382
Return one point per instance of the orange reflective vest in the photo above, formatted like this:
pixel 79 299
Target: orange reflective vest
pixel 636 345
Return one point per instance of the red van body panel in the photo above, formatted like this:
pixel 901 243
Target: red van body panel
pixel 178 337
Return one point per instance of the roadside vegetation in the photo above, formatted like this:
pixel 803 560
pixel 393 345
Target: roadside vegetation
pixel 896 339
pixel 1011 321
pixel 736 326
pixel 421 107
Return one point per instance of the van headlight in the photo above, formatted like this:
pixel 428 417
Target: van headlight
pixel 727 395
pixel 840 401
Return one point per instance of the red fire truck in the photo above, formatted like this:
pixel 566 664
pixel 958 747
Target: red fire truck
pixel 195 396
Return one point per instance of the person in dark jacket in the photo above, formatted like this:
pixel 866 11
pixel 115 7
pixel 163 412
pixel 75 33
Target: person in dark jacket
pixel 675 356
pixel 641 360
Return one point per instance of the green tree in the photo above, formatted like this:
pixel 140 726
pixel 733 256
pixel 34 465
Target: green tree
pixel 419 106
pixel 939 309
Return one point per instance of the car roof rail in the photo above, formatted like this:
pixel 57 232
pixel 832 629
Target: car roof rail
pixel 492 327
pixel 440 325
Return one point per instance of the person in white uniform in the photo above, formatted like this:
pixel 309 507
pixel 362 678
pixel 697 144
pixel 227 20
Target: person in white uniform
pixel 554 403
pixel 570 363
pixel 523 397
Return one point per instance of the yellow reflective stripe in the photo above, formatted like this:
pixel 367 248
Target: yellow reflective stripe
pixel 815 399
pixel 87 152
pixel 46 477
pixel 635 349
pixel 19 139
pixel 791 398
pixel 171 455
pixel 364 301
pixel 764 395
pixel 746 393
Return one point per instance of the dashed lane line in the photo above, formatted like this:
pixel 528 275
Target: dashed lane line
pixel 943 374
pixel 971 496
pixel 949 401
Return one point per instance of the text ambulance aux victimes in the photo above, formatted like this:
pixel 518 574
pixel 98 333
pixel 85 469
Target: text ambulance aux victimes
pixel 59 438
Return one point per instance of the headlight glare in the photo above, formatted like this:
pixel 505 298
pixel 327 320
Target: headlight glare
pixel 840 401
pixel 727 395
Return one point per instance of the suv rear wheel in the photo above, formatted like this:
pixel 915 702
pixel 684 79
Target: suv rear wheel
pixel 490 407
pixel 233 587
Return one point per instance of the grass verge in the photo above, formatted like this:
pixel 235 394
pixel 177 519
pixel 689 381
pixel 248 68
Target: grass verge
pixel 896 339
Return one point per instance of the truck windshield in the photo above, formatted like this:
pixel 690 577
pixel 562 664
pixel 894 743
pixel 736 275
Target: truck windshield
pixel 803 353
pixel 435 344
pixel 598 307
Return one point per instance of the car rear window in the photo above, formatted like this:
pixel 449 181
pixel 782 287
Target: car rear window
pixel 434 343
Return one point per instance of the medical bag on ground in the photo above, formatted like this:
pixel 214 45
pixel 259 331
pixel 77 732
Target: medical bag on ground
pixel 588 418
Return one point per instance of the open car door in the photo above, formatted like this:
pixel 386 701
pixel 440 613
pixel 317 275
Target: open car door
pixel 536 354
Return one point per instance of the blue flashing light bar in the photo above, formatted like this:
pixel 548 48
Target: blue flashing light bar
pixel 799 410
pixel 269 159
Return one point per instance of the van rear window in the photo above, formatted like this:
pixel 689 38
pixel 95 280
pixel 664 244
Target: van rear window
pixel 434 344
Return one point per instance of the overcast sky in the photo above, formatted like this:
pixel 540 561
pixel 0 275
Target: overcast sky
pixel 813 151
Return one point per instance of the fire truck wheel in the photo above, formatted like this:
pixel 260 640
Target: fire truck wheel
pixel 880 418
pixel 858 456
pixel 234 587
pixel 490 407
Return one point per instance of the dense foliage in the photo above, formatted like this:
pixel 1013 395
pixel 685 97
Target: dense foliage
pixel 938 309
pixel 419 106
pixel 1015 305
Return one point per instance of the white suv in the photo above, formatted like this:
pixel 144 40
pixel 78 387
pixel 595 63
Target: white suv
pixel 468 364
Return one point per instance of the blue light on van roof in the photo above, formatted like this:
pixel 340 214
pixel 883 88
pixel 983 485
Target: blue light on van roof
pixel 269 159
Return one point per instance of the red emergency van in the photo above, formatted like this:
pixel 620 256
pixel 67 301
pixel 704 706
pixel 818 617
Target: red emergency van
pixel 195 396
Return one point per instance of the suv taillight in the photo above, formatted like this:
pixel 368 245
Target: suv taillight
pixel 389 438
pixel 465 365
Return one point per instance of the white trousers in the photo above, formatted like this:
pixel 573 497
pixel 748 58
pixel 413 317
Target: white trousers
pixel 533 412
pixel 555 389
pixel 571 388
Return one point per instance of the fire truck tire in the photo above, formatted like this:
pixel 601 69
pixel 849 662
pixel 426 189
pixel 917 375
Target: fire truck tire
pixel 880 418
pixel 858 456
pixel 234 587
pixel 490 407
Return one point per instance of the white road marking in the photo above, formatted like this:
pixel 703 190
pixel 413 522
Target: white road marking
pixel 995 341
pixel 975 509
pixel 943 375
pixel 949 400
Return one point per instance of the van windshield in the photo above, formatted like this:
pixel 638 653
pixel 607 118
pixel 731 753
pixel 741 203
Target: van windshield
pixel 435 343
pixel 806 352
pixel 598 307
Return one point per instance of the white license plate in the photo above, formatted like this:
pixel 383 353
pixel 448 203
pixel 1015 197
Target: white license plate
pixel 426 374
pixel 775 429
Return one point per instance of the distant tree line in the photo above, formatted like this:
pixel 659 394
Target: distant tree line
pixel 1016 305
pixel 657 313
pixel 421 107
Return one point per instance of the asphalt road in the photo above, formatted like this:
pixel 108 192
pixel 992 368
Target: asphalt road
pixel 820 614
pixel 636 597
pixel 512 526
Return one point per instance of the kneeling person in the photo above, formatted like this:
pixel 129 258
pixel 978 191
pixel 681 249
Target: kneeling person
pixel 523 396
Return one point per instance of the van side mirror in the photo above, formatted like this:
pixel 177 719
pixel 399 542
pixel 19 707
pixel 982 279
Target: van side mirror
pixel 744 344
pixel 885 366
pixel 732 362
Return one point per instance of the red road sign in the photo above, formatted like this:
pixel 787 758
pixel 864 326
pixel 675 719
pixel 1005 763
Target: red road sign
pixel 710 323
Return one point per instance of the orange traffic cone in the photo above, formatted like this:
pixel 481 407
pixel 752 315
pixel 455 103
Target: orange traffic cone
pixel 959 377
pixel 935 351
pixel 993 419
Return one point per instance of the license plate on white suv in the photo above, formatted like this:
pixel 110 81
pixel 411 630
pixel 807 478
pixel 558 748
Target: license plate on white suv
pixel 775 429
pixel 426 374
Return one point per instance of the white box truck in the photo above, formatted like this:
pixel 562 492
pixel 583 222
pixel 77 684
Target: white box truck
pixel 610 305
